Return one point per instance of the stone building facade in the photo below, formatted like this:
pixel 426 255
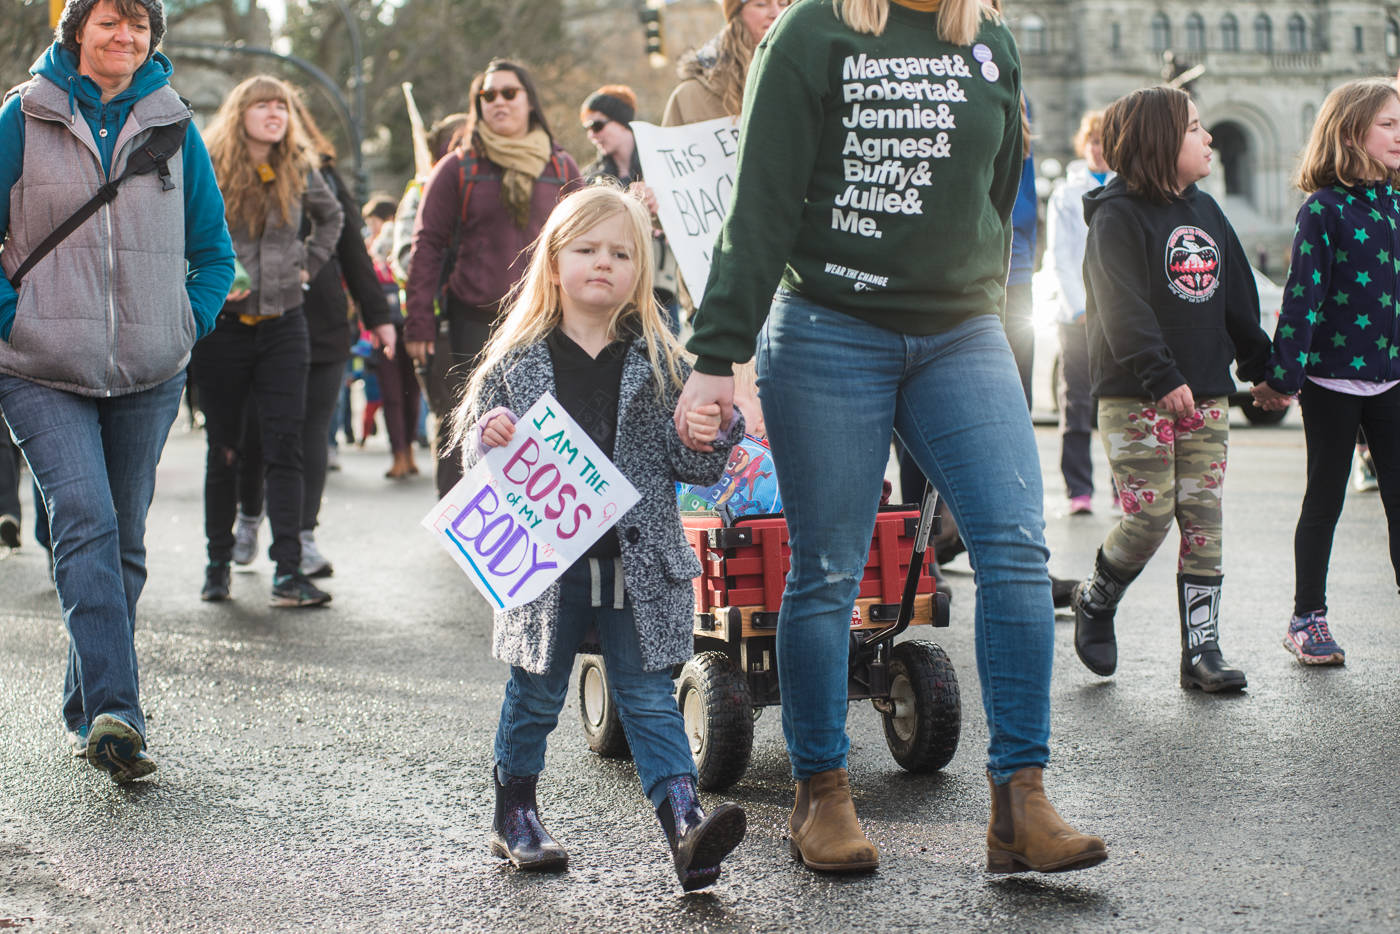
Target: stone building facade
pixel 1268 64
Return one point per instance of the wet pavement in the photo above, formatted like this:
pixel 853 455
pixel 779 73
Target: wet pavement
pixel 328 769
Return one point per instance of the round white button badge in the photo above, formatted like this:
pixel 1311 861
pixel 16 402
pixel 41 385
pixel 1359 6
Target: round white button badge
pixel 990 71
pixel 981 52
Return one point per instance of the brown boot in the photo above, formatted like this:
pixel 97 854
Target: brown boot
pixel 1025 832
pixel 823 830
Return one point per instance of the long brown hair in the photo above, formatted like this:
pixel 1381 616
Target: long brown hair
pixel 1336 153
pixel 248 199
pixel 1142 136
pixel 733 50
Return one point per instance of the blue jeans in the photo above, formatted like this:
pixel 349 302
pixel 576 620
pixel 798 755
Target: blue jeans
pixel 833 388
pixel 650 719
pixel 94 461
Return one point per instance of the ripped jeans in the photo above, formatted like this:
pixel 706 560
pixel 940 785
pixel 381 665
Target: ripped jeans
pixel 266 363
pixel 833 390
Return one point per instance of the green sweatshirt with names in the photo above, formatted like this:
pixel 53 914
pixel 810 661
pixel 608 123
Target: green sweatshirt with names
pixel 876 177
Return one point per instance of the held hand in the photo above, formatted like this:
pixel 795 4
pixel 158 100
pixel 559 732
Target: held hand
pixel 498 432
pixel 1179 402
pixel 387 338
pixel 305 277
pixel 1268 398
pixel 237 295
pixel 702 389
pixel 704 422
pixel 419 350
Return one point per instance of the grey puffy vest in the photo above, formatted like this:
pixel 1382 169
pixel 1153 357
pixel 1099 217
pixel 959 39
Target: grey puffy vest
pixel 106 313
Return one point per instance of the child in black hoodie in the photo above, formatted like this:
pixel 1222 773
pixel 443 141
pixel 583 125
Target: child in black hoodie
pixel 1171 301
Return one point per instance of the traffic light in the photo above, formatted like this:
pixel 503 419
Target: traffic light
pixel 650 15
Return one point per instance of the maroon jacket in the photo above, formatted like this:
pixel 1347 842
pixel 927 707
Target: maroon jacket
pixel 490 253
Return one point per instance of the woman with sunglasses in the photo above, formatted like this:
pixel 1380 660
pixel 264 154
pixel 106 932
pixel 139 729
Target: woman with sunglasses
pixel 607 119
pixel 483 204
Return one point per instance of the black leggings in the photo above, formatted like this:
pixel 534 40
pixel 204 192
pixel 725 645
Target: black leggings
pixel 1330 421
pixel 468 330
pixel 323 382
pixel 267 363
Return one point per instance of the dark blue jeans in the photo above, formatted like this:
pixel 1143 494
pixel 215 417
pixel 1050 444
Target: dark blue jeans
pixel 94 460
pixel 650 719
pixel 833 389
pixel 266 362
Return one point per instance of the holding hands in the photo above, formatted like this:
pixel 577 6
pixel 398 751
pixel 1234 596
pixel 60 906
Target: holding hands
pixel 703 391
pixel 703 423
pixel 1268 398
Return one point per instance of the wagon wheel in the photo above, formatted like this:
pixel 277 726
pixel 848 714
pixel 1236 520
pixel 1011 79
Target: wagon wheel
pixel 923 727
pixel 597 711
pixel 714 700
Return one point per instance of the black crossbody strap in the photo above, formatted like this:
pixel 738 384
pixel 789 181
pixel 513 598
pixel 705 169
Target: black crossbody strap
pixel 153 155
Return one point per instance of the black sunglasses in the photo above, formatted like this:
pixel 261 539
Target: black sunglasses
pixel 489 95
pixel 596 125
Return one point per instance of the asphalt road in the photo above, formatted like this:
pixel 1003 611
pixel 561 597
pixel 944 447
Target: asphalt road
pixel 329 769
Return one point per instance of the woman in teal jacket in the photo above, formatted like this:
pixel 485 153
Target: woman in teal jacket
pixel 94 343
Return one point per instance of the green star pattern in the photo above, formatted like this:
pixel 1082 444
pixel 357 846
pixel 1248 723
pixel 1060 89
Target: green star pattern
pixel 1363 321
pixel 1338 340
pixel 1360 234
pixel 1363 278
pixel 1357 363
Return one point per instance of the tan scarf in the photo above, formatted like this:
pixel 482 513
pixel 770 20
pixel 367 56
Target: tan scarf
pixel 523 160
pixel 923 6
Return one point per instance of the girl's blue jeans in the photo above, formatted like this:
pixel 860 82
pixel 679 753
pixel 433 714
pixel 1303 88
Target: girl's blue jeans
pixel 650 718
pixel 833 389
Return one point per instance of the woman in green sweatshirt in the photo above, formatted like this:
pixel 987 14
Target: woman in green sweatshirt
pixel 879 160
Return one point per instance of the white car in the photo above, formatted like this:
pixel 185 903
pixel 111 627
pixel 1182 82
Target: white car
pixel 1045 375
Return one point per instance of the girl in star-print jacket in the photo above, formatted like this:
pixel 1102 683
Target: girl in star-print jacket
pixel 1337 346
pixel 1170 302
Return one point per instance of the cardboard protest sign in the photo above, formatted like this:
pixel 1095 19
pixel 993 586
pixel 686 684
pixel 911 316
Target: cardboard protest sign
pixel 526 511
pixel 691 170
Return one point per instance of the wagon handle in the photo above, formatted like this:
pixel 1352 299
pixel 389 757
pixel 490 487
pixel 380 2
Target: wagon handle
pixel 927 510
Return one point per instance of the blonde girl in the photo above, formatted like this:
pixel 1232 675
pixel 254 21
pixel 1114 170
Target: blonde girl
pixel 259 348
pixel 582 324
pixel 1337 346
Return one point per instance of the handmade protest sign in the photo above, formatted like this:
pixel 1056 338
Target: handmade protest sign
pixel 691 169
pixel 526 511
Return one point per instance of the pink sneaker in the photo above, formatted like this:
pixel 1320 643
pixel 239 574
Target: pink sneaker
pixel 1081 505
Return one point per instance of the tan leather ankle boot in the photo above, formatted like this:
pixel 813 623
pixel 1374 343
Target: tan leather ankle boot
pixel 824 832
pixel 1026 833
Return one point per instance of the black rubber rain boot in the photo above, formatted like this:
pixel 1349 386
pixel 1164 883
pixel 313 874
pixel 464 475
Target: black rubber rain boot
pixel 516 832
pixel 698 842
pixel 1202 666
pixel 1095 602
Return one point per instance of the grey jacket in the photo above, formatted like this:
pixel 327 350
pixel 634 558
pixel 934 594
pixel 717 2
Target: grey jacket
pixel 275 260
pixel 657 564
pixel 118 281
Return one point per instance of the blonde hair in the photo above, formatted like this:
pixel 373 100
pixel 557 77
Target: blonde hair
pixel 1336 153
pixel 534 307
pixel 247 198
pixel 1090 125
pixel 958 20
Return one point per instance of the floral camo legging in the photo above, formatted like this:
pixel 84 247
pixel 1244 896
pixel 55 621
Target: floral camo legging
pixel 1166 469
